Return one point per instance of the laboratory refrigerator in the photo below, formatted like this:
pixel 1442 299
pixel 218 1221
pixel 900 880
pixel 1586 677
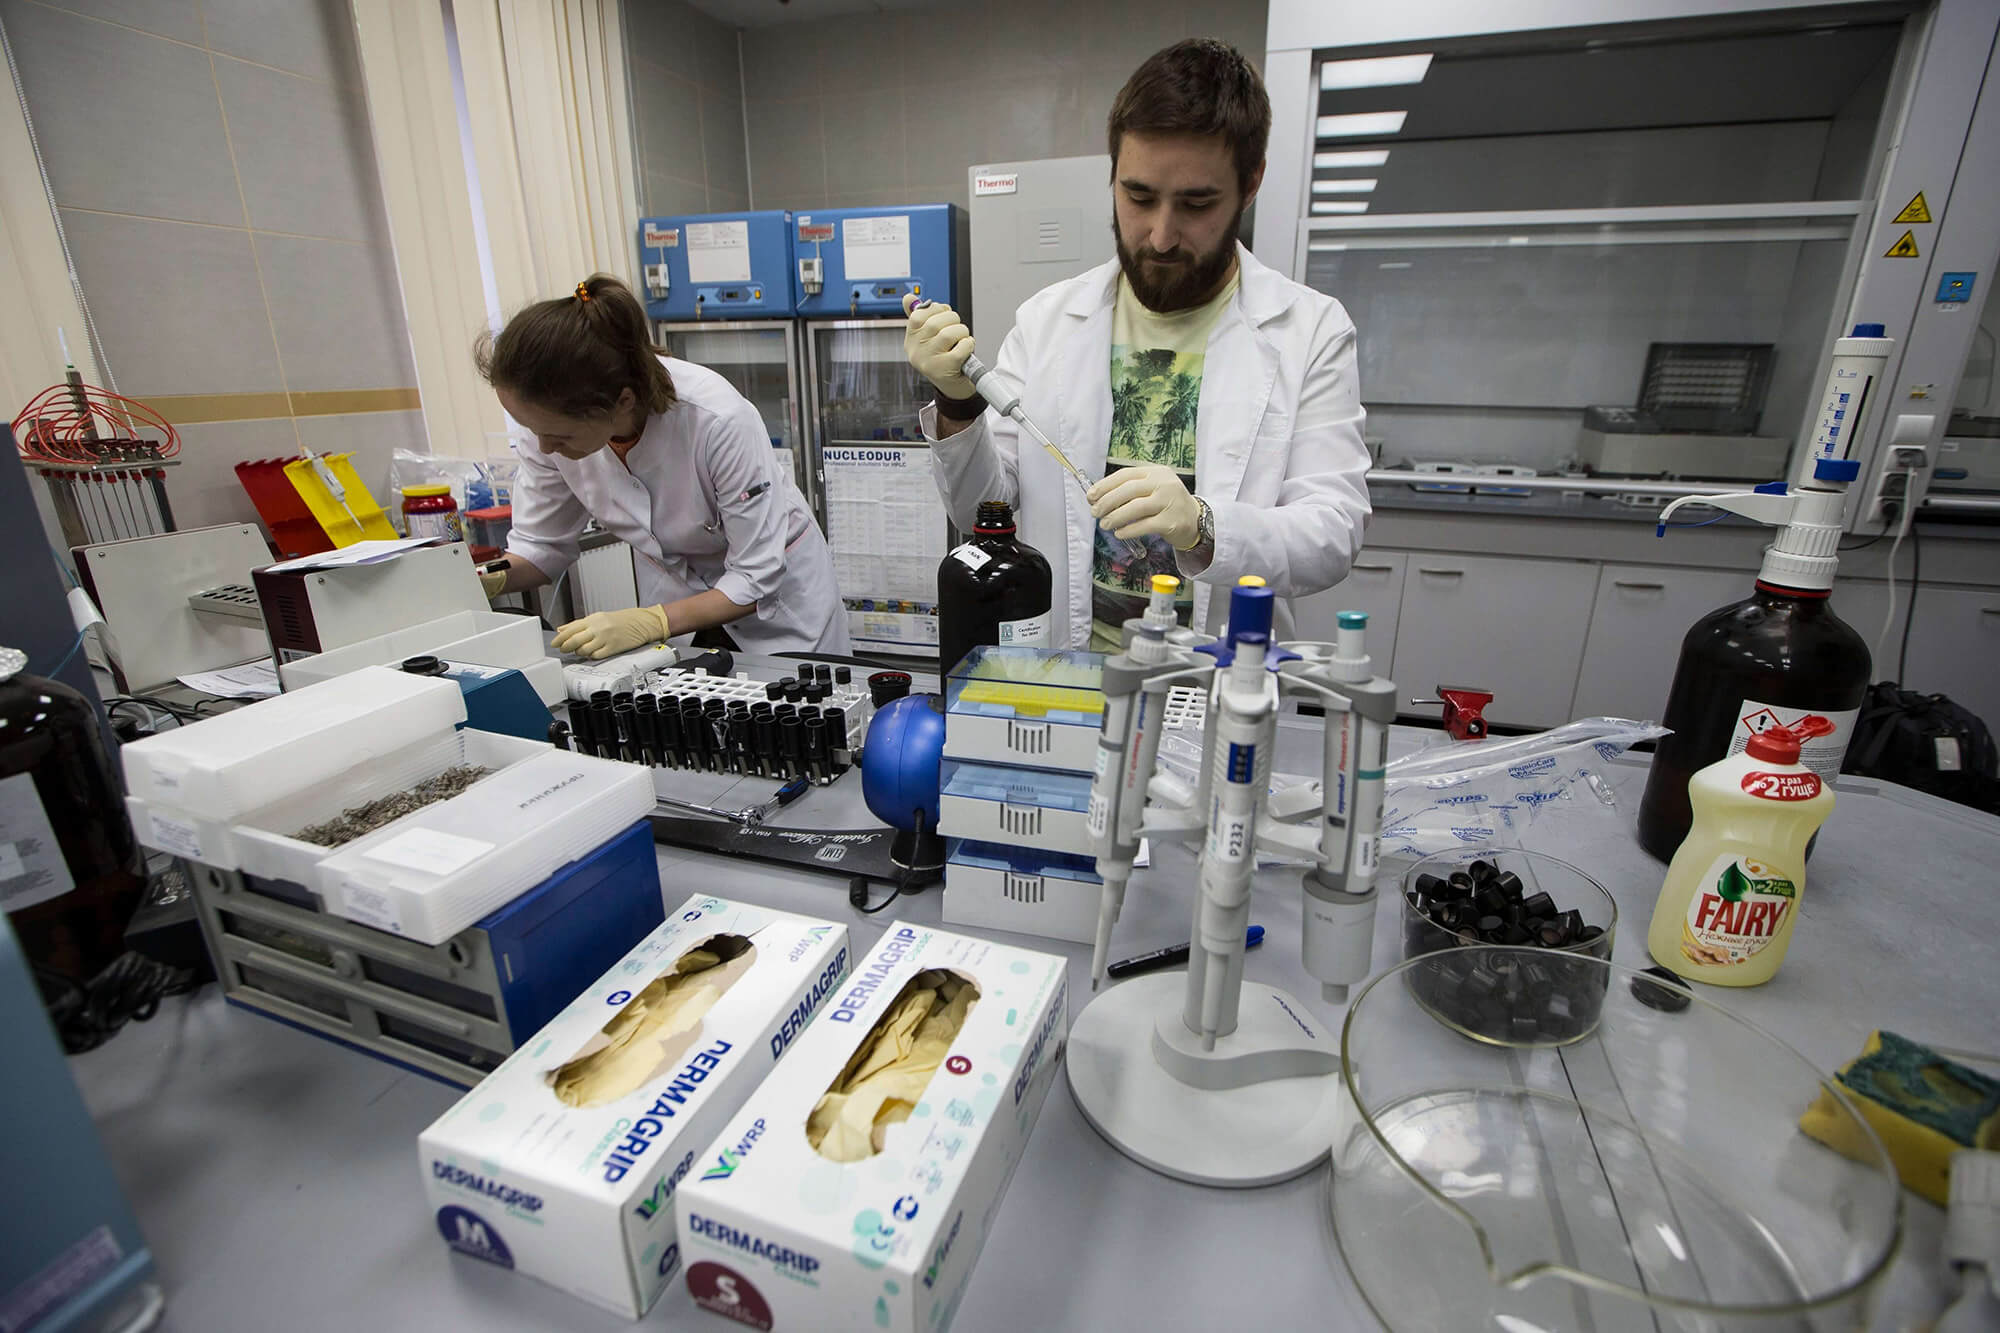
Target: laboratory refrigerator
pixel 881 510
pixel 720 293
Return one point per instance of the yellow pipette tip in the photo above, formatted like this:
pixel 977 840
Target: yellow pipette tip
pixel 1166 583
pixel 1250 581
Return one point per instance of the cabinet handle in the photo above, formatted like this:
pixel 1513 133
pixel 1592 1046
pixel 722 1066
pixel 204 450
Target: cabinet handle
pixel 1638 587
pixel 1441 573
pixel 1373 569
pixel 1989 610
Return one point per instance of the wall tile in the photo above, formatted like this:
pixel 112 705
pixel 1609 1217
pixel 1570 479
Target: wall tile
pixel 338 311
pixel 858 53
pixel 787 154
pixel 310 37
pixel 656 30
pixel 303 153
pixel 864 141
pixel 722 142
pixel 783 60
pixel 178 306
pixel 204 489
pixel 668 108
pixel 714 48
pixel 128 123
pixel 177 19
pixel 728 201
pixel 668 195
pixel 936 192
pixel 1097 89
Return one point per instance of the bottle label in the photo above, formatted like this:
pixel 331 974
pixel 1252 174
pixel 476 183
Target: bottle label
pixel 1823 736
pixel 1030 632
pixel 972 557
pixel 32 869
pixel 1782 786
pixel 436 523
pixel 1736 911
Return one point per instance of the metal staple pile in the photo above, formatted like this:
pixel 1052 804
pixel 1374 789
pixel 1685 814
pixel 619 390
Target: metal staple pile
pixel 368 817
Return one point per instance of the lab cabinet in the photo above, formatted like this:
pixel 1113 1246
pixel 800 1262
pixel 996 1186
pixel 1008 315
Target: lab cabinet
pixel 1954 643
pixel 1373 585
pixel 1515 627
pixel 1641 615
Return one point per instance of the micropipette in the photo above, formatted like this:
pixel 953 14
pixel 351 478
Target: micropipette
pixel 995 391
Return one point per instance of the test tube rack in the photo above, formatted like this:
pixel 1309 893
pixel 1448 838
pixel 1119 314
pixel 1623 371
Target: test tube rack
pixel 692 721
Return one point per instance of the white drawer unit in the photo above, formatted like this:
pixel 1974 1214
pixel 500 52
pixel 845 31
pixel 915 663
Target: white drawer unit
pixel 1018 807
pixel 1641 615
pixel 1375 586
pixel 1515 627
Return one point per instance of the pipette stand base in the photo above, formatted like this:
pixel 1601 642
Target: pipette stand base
pixel 1259 1108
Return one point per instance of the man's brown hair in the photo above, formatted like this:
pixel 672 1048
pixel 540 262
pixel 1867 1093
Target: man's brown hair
pixel 576 354
pixel 1199 86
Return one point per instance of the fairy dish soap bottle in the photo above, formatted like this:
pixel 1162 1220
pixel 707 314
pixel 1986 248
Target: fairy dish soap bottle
pixel 1780 658
pixel 994 589
pixel 1731 899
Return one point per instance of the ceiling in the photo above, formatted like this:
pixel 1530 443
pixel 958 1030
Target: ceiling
pixel 767 13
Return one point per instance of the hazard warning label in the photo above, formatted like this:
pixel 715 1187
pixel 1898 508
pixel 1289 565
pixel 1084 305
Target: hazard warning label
pixel 1915 211
pixel 1905 248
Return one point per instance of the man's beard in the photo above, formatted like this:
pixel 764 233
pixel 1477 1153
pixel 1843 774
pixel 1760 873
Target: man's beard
pixel 1179 285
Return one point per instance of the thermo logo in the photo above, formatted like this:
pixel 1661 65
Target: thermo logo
pixel 468 1233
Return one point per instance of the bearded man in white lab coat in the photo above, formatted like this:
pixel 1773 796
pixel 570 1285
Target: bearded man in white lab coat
pixel 1212 402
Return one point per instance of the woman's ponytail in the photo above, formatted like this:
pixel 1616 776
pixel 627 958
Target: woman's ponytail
pixel 576 354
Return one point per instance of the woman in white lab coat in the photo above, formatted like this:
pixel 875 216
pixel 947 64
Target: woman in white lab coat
pixel 670 459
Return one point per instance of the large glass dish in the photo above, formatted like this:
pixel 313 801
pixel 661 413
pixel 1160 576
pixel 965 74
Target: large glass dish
pixel 1649 1176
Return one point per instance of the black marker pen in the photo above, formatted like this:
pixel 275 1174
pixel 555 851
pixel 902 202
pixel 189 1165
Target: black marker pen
pixel 755 491
pixel 1159 958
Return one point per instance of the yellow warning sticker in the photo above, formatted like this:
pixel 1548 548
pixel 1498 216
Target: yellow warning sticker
pixel 1903 249
pixel 1915 211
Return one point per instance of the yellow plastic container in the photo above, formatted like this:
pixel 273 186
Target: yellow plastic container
pixel 356 517
pixel 1731 899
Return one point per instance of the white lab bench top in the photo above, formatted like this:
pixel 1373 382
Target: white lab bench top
pixel 275 1174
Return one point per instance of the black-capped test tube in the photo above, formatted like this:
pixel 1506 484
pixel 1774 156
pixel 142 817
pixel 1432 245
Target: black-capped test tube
pixel 819 764
pixel 791 745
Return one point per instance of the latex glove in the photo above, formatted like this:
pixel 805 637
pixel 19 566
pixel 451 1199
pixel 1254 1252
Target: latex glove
pixel 642 1036
pixel 493 583
pixel 850 1121
pixel 938 343
pixel 608 633
pixel 1149 500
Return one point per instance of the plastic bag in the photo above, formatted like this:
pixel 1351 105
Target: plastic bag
pixel 1464 792
pixel 473 483
pixel 1482 791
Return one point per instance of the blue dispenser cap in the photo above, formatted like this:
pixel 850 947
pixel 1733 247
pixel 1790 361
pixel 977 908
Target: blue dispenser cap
pixel 1837 469
pixel 1869 331
pixel 1250 609
pixel 1352 620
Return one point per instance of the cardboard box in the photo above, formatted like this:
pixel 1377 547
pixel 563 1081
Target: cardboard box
pixel 778 1236
pixel 580 1195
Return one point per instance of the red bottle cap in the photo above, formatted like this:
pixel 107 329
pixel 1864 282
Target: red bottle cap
pixel 1776 746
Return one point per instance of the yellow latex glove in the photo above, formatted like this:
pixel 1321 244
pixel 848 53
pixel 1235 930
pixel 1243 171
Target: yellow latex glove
pixel 492 583
pixel 850 1123
pixel 608 633
pixel 937 343
pixel 670 1006
pixel 1149 500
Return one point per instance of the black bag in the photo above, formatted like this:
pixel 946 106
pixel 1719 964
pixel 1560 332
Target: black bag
pixel 1927 742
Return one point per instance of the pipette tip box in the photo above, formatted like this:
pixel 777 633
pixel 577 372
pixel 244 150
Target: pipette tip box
pixel 779 1236
pixel 1018 807
pixel 1025 706
pixel 1021 889
pixel 577 1189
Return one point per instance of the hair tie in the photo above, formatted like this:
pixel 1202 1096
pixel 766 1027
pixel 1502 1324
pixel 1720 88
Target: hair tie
pixel 583 291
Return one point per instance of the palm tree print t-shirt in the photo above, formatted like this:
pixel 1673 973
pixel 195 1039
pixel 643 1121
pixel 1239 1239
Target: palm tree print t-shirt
pixel 1156 363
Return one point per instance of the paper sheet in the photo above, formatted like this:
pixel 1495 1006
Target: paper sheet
pixel 885 522
pixel 875 247
pixel 361 553
pixel 254 680
pixel 718 251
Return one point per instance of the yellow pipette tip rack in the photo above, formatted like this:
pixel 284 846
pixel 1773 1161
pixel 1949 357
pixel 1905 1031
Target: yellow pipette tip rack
pixel 1032 685
pixel 358 519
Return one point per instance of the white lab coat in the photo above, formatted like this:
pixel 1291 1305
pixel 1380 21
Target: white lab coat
pixel 677 499
pixel 1278 449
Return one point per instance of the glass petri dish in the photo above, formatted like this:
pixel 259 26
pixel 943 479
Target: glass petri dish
pixel 1649 1175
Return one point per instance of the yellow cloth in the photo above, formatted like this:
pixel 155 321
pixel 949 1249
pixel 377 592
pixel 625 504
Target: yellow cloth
pixel 641 1032
pixel 608 633
pixel 881 1086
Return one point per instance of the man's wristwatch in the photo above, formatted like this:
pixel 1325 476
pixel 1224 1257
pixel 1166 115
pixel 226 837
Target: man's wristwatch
pixel 1204 533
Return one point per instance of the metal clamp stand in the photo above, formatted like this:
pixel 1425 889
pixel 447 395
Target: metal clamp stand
pixel 1208 1077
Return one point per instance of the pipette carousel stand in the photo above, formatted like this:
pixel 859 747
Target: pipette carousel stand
pixel 1204 1076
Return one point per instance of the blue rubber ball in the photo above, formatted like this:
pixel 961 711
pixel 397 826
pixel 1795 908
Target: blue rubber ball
pixel 899 761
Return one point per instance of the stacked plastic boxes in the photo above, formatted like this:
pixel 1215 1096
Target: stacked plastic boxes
pixel 1020 747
